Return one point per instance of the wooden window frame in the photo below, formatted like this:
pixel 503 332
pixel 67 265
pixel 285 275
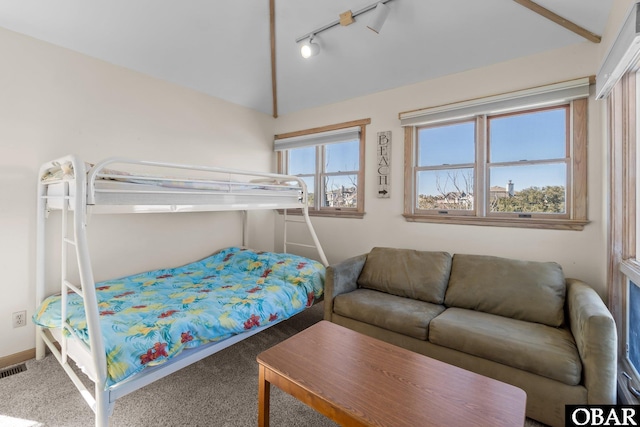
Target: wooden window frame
pixel 576 201
pixel 623 264
pixel 317 209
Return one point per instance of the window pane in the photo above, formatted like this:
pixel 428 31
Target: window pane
pixel 310 181
pixel 529 136
pixel 528 188
pixel 342 157
pixel 446 145
pixel 302 161
pixel 445 189
pixel 341 191
pixel 634 325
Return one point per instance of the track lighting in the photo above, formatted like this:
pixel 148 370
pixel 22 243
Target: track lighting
pixel 380 14
pixel 310 49
pixel 381 11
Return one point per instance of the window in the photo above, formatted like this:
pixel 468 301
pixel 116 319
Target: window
pixel 528 162
pixel 502 160
pixel 632 352
pixel 330 160
pixel 445 168
pixel 617 82
pixel 624 277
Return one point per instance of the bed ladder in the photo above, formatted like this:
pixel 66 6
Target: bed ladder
pixel 65 287
pixel 65 284
pixel 99 401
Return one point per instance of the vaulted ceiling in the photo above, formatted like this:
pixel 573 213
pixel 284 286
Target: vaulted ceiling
pixel 223 47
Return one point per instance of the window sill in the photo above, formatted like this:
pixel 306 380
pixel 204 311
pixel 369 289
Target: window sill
pixel 549 224
pixel 327 213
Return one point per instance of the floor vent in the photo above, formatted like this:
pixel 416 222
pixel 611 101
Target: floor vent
pixel 13 370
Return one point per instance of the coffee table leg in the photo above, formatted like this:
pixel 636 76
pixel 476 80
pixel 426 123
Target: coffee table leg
pixel 264 388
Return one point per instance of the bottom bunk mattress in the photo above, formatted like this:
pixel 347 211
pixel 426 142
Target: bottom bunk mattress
pixel 151 317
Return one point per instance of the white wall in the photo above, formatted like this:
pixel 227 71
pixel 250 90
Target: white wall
pixel 55 102
pixel 582 254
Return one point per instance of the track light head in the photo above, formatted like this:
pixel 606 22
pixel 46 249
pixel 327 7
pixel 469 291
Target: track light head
pixel 310 49
pixel 380 14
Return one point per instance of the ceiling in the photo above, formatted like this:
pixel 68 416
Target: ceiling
pixel 223 48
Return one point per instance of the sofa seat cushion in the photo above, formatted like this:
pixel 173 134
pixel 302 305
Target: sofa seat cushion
pixel 398 314
pixel 524 290
pixel 533 347
pixel 420 275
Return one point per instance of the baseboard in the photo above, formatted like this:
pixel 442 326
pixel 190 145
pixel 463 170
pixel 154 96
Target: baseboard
pixel 14 359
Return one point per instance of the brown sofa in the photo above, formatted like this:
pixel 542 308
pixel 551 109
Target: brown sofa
pixel 520 322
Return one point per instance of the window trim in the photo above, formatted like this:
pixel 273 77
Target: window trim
pixel 576 203
pixel 326 211
pixel 622 251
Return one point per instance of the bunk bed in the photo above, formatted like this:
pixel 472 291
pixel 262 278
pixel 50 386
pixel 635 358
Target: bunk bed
pixel 128 332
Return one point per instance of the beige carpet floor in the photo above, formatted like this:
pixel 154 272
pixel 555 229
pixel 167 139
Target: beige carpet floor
pixel 219 391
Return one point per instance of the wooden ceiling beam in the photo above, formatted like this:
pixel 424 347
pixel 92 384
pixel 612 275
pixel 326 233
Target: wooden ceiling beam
pixel 274 85
pixel 560 20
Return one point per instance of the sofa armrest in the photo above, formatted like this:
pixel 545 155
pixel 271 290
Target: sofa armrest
pixel 341 278
pixel 594 330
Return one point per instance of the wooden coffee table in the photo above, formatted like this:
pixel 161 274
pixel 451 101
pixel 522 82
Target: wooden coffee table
pixel 357 380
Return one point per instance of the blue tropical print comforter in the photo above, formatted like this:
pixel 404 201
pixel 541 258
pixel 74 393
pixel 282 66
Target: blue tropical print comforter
pixel 151 317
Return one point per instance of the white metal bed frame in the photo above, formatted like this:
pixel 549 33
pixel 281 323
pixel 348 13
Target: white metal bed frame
pixel 80 198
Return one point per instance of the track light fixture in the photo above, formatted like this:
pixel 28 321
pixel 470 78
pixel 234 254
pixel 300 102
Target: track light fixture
pixel 381 12
pixel 310 49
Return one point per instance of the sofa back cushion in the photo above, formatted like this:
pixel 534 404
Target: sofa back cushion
pixel 408 273
pixel 524 290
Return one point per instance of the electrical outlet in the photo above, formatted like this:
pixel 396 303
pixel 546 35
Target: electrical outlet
pixel 19 318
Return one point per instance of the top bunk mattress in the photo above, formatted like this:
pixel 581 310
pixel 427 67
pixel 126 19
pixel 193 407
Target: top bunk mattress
pixel 157 192
pixel 238 196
